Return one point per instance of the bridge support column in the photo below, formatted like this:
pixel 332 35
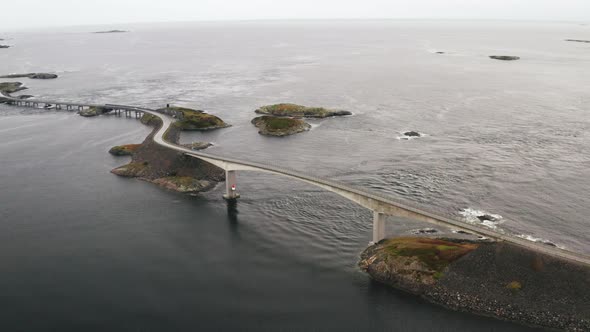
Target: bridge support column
pixel 230 186
pixel 378 227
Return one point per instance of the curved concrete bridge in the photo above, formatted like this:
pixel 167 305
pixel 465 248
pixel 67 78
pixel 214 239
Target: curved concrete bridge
pixel 379 204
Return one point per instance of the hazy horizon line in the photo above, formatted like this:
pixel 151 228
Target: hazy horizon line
pixel 260 20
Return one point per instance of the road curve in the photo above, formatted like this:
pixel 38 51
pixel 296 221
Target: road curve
pixel 158 137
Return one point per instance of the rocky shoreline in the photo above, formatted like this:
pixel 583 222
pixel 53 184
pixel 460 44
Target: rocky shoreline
pixel 494 279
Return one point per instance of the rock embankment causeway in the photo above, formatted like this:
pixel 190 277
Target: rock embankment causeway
pixel 165 167
pixel 492 279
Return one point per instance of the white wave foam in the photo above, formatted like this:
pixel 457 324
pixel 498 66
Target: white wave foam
pixel 481 217
pixel 539 240
pixel 424 231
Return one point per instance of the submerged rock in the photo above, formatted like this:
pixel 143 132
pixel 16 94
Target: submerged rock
pixel 293 110
pixel 412 134
pixel 279 126
pixel 486 217
pixel 505 57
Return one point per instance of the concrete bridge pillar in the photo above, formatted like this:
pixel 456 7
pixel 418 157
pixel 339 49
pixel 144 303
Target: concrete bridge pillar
pixel 378 226
pixel 231 191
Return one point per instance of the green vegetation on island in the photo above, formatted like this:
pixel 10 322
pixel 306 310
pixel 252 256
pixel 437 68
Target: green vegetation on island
pixel 124 150
pixel 133 170
pixel 293 110
pixel 495 279
pixel 279 126
pixel 93 111
pixel 150 120
pixel 11 87
pixel 196 119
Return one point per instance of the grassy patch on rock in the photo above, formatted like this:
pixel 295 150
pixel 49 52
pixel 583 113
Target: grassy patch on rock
pixel 124 150
pixel 435 253
pixel 149 119
pixel 133 169
pixel 11 87
pixel 276 126
pixel 196 119
pixel 294 110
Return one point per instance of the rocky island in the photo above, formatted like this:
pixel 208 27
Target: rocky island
pixel 279 126
pixel 504 57
pixel 11 87
pixel 167 168
pixel 488 278
pixel 40 76
pixel 124 150
pixel 93 111
pixel 111 31
pixel 196 119
pixel 4 46
pixel 293 110
pixel 578 40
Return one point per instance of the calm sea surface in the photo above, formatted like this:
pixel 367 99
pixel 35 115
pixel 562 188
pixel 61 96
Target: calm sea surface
pixel 84 250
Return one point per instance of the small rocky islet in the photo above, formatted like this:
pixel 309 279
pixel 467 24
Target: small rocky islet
pixel 279 126
pixel 286 119
pixel 495 279
pixel 196 120
pixel 38 76
pixel 578 41
pixel 124 150
pixel 505 57
pixel 299 111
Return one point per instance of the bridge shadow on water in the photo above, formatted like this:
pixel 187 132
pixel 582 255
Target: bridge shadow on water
pixel 232 213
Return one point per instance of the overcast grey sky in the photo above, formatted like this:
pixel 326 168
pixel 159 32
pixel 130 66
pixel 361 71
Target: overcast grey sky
pixel 15 14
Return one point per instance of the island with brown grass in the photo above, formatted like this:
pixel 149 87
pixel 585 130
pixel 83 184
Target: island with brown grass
pixel 495 279
pixel 196 119
pixel 279 126
pixel 294 110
